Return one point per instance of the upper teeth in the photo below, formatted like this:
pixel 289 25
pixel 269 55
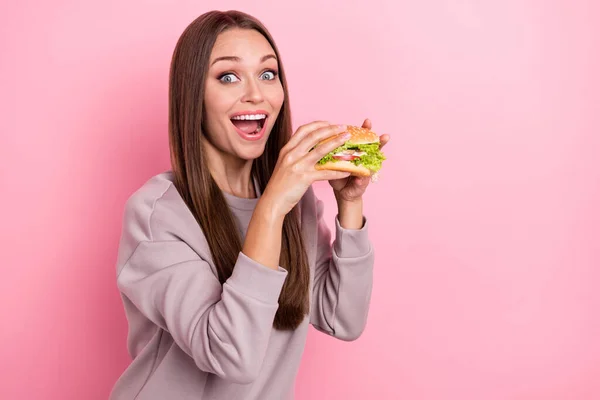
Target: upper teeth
pixel 250 116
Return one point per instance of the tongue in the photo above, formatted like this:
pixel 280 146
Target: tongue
pixel 246 126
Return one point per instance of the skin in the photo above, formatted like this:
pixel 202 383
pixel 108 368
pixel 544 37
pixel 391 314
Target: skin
pixel 243 77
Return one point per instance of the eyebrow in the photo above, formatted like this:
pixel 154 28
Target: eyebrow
pixel 237 59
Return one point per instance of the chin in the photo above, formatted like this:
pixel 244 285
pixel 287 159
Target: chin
pixel 251 154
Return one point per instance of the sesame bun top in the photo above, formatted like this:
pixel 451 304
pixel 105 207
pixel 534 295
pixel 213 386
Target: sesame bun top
pixel 359 136
pixel 362 135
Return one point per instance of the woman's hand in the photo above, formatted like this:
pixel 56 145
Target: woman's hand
pixel 294 173
pixel 352 188
pixel 295 169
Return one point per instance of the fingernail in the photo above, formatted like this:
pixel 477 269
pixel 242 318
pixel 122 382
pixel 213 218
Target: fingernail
pixel 342 127
pixel 346 135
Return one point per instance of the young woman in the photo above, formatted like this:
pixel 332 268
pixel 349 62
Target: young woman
pixel 225 260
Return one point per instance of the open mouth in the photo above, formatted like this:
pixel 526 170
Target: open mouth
pixel 249 124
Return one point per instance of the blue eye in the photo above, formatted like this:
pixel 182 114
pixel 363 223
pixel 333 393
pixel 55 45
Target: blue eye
pixel 228 78
pixel 269 75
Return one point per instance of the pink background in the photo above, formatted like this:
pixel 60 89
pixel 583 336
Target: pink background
pixel 486 219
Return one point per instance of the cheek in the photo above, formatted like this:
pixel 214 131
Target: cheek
pixel 217 102
pixel 276 96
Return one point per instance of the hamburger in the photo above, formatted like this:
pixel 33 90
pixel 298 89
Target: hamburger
pixel 360 155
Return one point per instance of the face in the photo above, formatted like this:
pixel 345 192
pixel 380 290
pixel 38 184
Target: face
pixel 243 94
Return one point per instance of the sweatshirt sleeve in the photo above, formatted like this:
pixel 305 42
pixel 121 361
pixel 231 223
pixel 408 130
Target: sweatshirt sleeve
pixel 343 280
pixel 224 328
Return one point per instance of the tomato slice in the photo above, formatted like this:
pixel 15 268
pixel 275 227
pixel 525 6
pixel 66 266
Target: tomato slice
pixel 345 157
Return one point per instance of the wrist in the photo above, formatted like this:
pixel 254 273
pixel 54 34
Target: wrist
pixel 348 202
pixel 350 213
pixel 268 211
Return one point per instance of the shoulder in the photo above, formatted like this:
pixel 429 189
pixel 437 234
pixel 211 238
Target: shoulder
pixel 149 207
pixel 156 212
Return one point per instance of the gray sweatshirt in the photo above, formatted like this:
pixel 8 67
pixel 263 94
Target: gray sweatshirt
pixel 191 337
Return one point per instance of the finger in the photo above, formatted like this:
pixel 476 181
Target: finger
pixel 367 124
pixel 322 149
pixel 362 181
pixel 327 175
pixel 304 130
pixel 383 140
pixel 315 137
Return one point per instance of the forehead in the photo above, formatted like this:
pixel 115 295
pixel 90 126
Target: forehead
pixel 246 44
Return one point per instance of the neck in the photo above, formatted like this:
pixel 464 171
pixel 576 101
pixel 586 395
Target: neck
pixel 232 174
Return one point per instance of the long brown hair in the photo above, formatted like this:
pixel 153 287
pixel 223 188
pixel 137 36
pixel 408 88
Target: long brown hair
pixel 189 67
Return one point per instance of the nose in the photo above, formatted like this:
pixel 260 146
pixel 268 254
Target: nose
pixel 252 92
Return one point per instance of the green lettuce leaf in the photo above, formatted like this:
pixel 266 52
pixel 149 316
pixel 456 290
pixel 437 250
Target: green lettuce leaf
pixel 372 160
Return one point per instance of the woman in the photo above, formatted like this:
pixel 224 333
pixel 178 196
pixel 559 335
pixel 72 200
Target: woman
pixel 225 260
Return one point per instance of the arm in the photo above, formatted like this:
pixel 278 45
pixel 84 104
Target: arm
pixel 350 213
pixel 343 277
pixel 224 328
